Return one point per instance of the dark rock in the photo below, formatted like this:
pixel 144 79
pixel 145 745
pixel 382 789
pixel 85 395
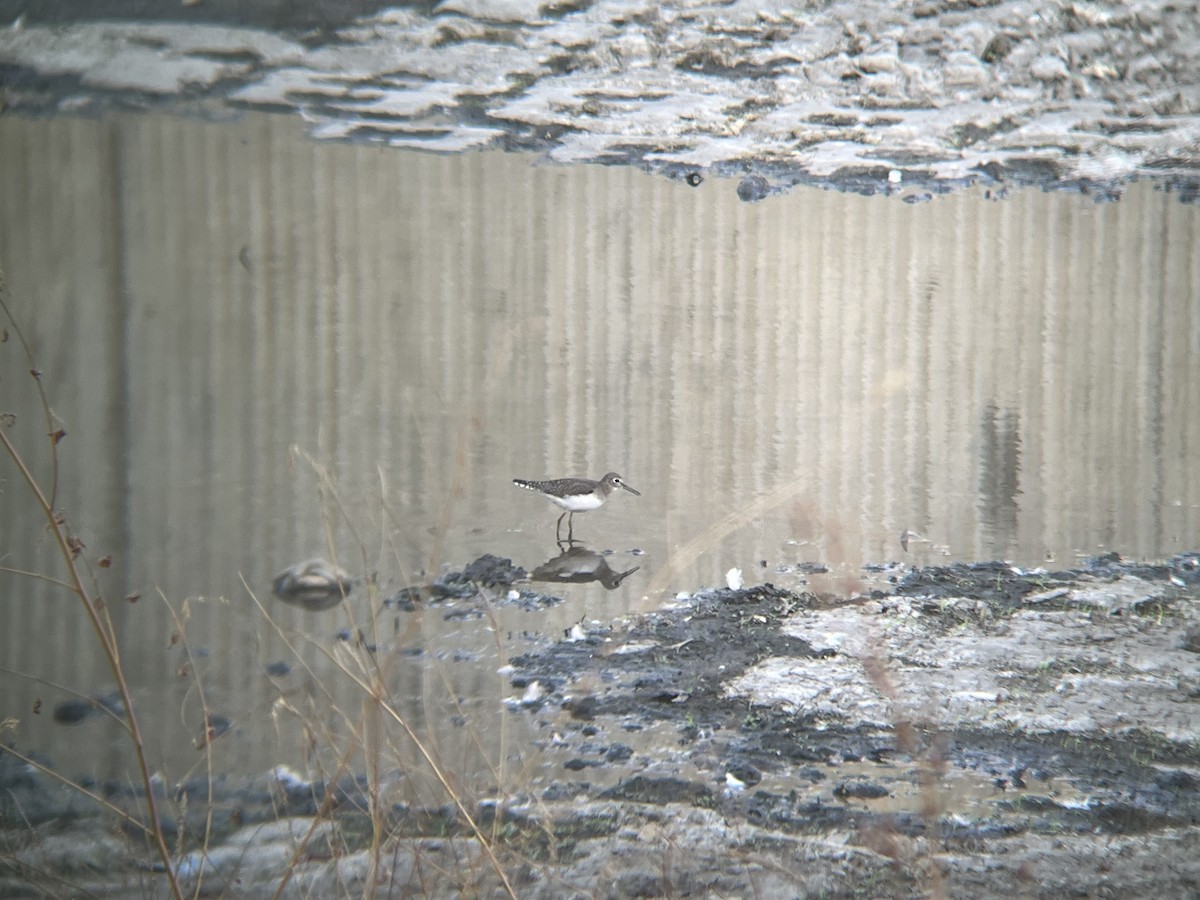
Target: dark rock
pixel 584 708
pixel 577 765
pixel 1186 567
pixel 73 711
pixel 404 600
pixel 563 791
pixel 642 884
pixel 999 47
pixel 859 790
pixel 618 753
pixel 492 571
pixel 642 789
pixel 753 188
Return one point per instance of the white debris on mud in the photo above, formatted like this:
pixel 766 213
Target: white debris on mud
pixel 1069 91
pixel 1099 661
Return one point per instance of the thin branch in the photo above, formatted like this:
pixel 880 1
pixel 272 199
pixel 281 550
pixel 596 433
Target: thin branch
pixel 46 770
pixel 97 617
pixel 37 379
pixel 208 813
pixel 39 576
pixel 101 707
pixel 441 777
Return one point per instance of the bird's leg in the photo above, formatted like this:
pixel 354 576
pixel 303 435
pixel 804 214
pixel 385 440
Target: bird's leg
pixel 558 528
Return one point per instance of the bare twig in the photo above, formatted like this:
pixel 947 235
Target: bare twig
pixel 93 607
pixel 74 785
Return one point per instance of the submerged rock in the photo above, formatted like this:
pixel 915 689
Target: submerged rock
pixel 315 585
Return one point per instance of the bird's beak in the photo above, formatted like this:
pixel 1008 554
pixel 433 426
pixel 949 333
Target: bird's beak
pixel 631 490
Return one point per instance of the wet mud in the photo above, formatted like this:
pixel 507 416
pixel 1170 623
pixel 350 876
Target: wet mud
pixel 863 96
pixel 967 730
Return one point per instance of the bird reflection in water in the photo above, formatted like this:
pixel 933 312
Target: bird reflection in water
pixel 576 564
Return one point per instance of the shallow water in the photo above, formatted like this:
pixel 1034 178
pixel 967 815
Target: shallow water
pixel 265 349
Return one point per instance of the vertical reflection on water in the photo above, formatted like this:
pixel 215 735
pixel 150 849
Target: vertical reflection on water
pixel 427 328
pixel 795 380
pixel 1158 307
pixel 999 479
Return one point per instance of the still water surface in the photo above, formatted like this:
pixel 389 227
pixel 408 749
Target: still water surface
pixel 265 349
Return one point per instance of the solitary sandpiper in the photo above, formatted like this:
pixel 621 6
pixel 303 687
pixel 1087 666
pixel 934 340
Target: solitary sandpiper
pixel 575 494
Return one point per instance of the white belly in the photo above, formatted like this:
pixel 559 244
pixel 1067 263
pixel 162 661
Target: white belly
pixel 580 503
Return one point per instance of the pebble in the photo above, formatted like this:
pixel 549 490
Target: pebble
pixel 1049 68
pixel 753 188
pixel 878 61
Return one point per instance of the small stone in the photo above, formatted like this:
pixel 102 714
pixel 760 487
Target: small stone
pixel 999 47
pixel 964 70
pixel 618 753
pixel 860 790
pixel 753 188
pixel 880 61
pixel 1144 69
pixel 73 711
pixel 1049 68
pixel 1191 641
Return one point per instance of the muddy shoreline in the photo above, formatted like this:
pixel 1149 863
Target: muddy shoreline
pixel 858 96
pixel 971 730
